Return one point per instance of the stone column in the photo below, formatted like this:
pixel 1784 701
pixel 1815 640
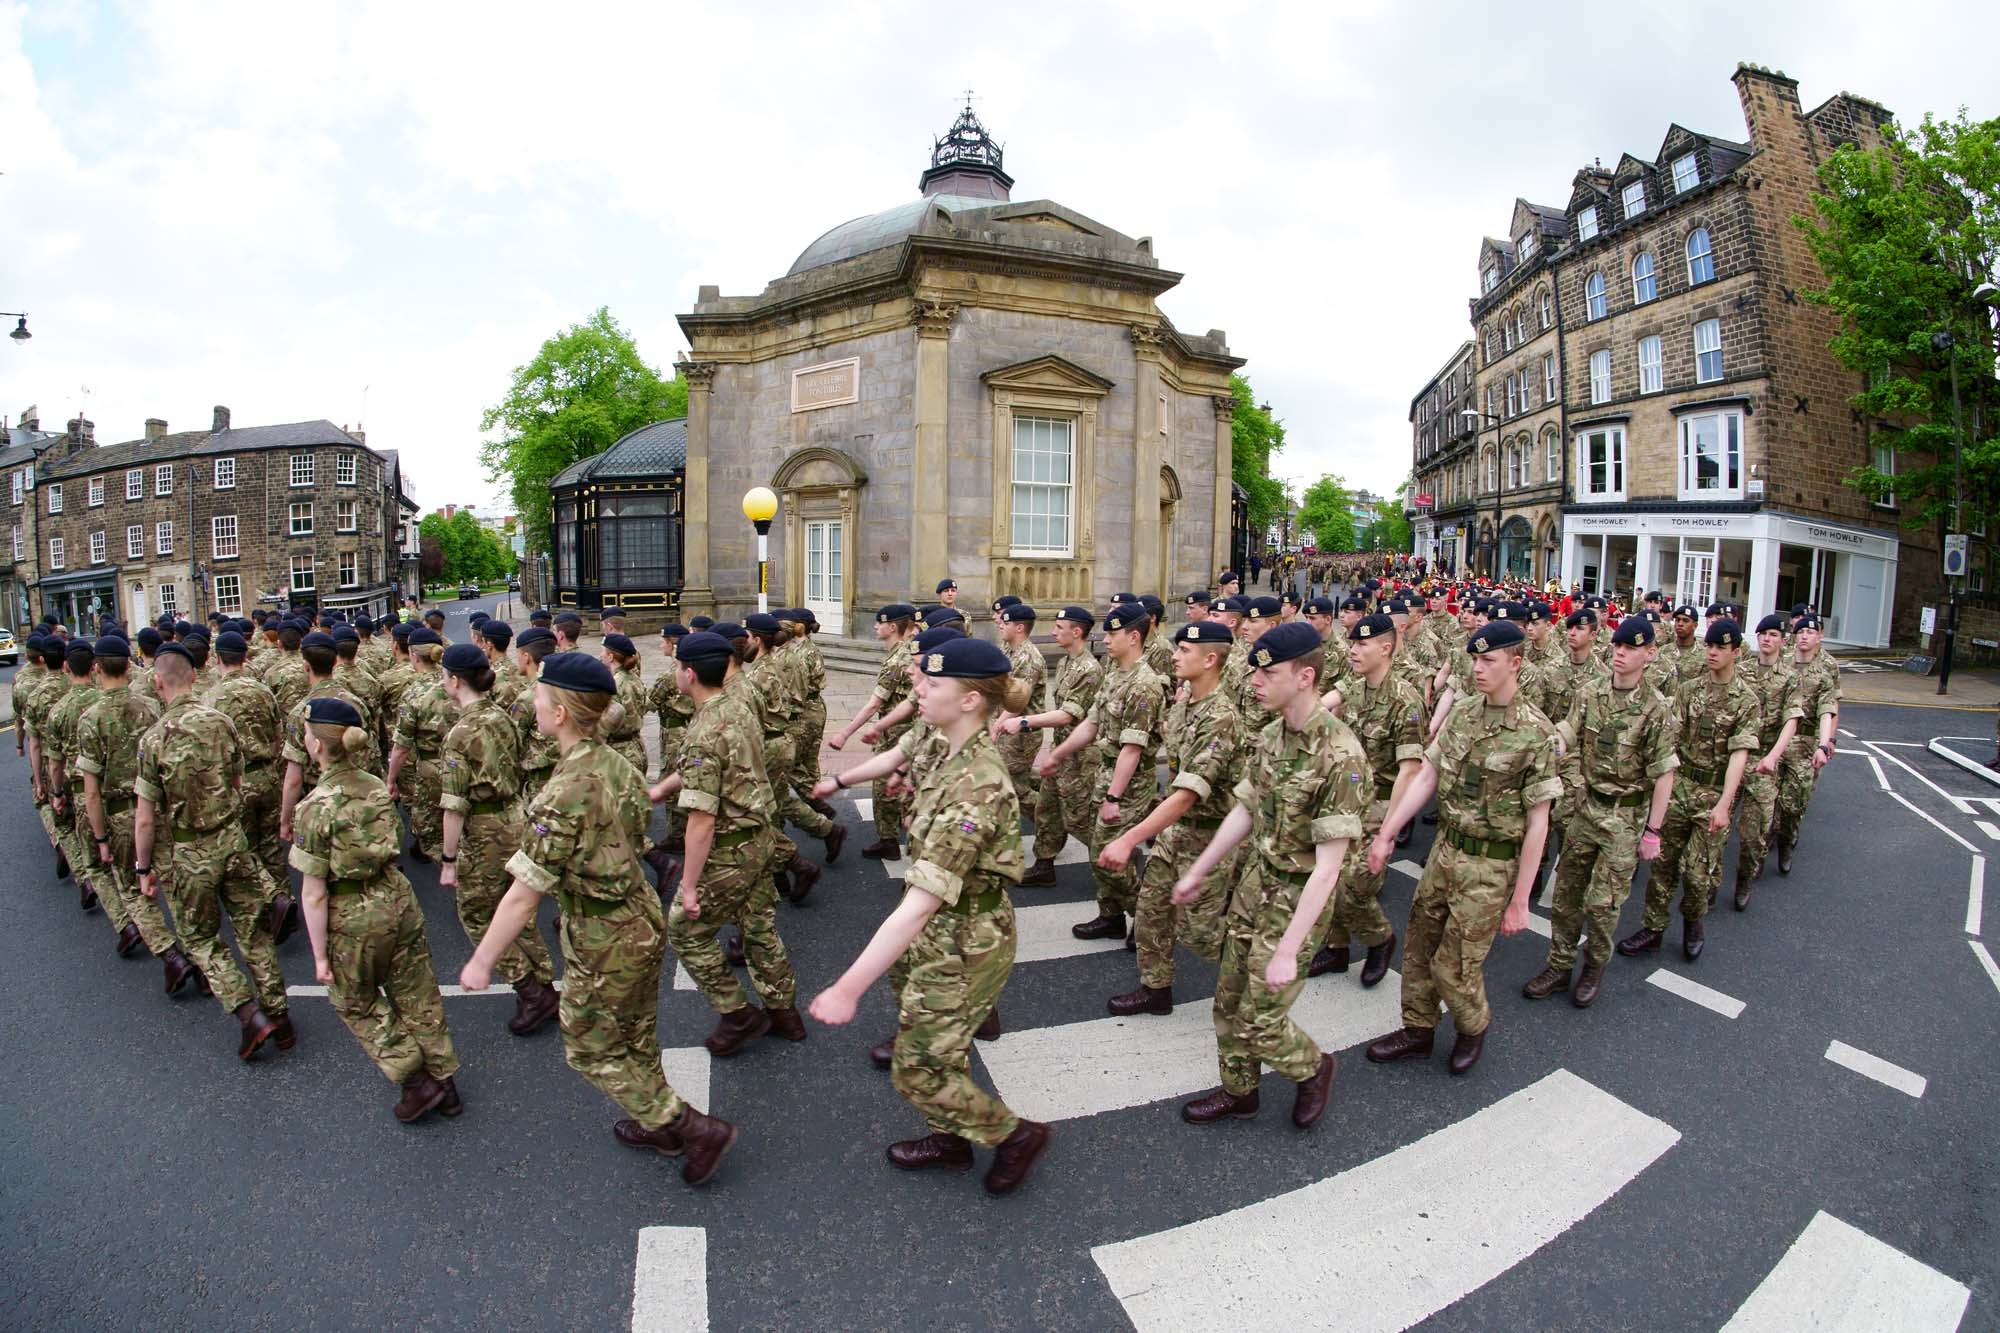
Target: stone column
pixel 1225 453
pixel 1148 344
pixel 930 475
pixel 697 587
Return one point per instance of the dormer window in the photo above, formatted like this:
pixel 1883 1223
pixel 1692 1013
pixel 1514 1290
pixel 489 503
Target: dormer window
pixel 1586 223
pixel 1687 173
pixel 1524 247
pixel 1489 278
pixel 1635 198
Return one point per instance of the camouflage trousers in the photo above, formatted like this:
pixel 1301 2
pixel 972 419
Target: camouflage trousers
pixel 888 809
pixel 1690 858
pixel 213 874
pixel 1357 909
pixel 735 889
pixel 384 987
pixel 142 911
pixel 484 846
pixel 72 829
pixel 1117 890
pixel 670 762
pixel 780 763
pixel 1796 780
pixel 611 1005
pixel 1063 808
pixel 1756 817
pixel 1159 923
pixel 811 732
pixel 1253 1023
pixel 1600 855
pixel 1453 920
pixel 262 797
pixel 1019 752
pixel 955 971
pixel 423 789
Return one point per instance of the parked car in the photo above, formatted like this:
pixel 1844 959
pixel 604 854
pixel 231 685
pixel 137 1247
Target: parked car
pixel 513 583
pixel 468 590
pixel 10 651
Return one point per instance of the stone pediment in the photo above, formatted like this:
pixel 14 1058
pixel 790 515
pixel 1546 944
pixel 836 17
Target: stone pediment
pixel 1049 374
pixel 818 466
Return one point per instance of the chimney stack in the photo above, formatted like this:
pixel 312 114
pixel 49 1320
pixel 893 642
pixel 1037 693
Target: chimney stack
pixel 155 428
pixel 221 420
pixel 360 435
pixel 31 417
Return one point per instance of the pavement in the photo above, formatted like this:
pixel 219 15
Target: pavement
pixel 1795 1130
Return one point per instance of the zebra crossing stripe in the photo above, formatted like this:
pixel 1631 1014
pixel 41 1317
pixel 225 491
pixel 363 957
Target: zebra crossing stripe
pixel 1836 1277
pixel 1042 933
pixel 1429 1223
pixel 1106 1064
pixel 670 1281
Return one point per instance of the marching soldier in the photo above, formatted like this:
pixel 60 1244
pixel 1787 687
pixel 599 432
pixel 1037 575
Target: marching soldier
pixel 1062 806
pixel 1017 628
pixel 802 624
pixel 253 710
pixel 538 748
pixel 59 709
pixel 1778 714
pixel 675 710
pixel 1818 679
pixel 421 723
pixel 895 626
pixel 624 734
pixel 1686 658
pixel 316 652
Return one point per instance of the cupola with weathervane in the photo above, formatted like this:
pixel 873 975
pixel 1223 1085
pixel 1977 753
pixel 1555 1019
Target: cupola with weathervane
pixel 966 162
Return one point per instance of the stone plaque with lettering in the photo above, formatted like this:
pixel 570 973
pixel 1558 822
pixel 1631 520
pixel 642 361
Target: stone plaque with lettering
pixel 827 385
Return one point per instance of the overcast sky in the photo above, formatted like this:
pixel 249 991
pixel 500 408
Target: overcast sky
pixel 374 211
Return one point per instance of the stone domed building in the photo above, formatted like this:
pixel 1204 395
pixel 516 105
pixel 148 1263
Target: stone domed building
pixel 958 386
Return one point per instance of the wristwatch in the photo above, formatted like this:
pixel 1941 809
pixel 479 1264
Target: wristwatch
pixel 142 870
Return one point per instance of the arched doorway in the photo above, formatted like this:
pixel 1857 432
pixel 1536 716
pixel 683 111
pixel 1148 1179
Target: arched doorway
pixel 819 491
pixel 1170 503
pixel 1517 549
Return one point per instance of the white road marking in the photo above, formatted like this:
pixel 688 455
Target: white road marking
pixel 1881 778
pixel 1539 924
pixel 1929 819
pixel 1850 735
pixel 1105 1064
pixel 1875 1067
pixel 1957 802
pixel 864 806
pixel 1938 747
pixel 1410 868
pixel 1676 984
pixel 1041 932
pixel 1896 745
pixel 1988 829
pixel 1986 961
pixel 686 1067
pixel 1430 1223
pixel 1074 853
pixel 670 1281
pixel 1975 896
pixel 683 981
pixel 1836 1277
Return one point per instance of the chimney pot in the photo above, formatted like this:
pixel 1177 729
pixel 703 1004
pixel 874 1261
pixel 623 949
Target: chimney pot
pixel 31 417
pixel 221 420
pixel 155 428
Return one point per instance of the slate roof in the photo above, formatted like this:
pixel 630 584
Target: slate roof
pixel 191 443
pixel 653 450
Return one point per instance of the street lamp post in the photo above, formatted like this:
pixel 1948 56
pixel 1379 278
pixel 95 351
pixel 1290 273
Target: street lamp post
pixel 1948 344
pixel 20 333
pixel 760 506
pixel 1489 419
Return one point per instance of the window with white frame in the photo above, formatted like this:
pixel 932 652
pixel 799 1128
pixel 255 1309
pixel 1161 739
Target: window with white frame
pixel 343 515
pixel 1513 396
pixel 1548 377
pixel 17 541
pixel 93 495
pixel 163 479
pixel 1524 248
pixel 225 474
pixel 170 599
pixel 1883 459
pixel 1552 455
pixel 1507 335
pixel 229 594
pixel 222 537
pixel 1593 296
pixel 1489 278
pixel 302 573
pixel 135 483
pixel 1634 198
pixel 1708 351
pixel 1527 448
pixel 302 518
pixel 163 538
pixel 1711 456
pixel 1586 223
pixel 1492 346
pixel 350 570
pixel 1044 486
pixel 97 547
pixel 302 469
pixel 1600 375
pixel 1600 463
pixel 1527 391
pixel 1548 308
pixel 55 553
pixel 55 498
pixel 1649 364
pixel 1687 174
pixel 135 541
pixel 20 487
pixel 1513 467
pixel 1701 259
pixel 1492 472
pixel 1644 286
pixel 1520 324
pixel 343 469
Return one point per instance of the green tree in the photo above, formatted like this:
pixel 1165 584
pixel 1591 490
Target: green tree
pixel 1908 237
pixel 1254 436
pixel 1391 530
pixel 587 387
pixel 1323 511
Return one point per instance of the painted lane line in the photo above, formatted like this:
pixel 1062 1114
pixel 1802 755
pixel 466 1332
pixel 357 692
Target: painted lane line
pixel 1836 1277
pixel 682 979
pixel 1410 868
pixel 1881 778
pixel 1042 933
pixel 1938 747
pixel 1875 1067
pixel 670 1281
pixel 687 1068
pixel 1107 1064
pixel 864 807
pixel 1988 829
pixel 1932 821
pixel 1850 735
pixel 1430 1223
pixel 1957 802
pixel 1986 961
pixel 1975 897
pixel 1539 924
pixel 1676 984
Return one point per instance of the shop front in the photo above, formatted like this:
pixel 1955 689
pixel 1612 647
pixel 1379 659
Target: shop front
pixel 1763 559
pixel 82 598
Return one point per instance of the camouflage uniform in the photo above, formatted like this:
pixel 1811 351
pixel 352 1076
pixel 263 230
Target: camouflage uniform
pixel 1715 722
pixel 811 670
pixel 775 691
pixel 294 748
pixel 29 683
pixel 1390 724
pixel 253 710
pixel 1205 739
pixel 394 682
pixel 64 707
pixel 1682 665
pixel 1778 703
pixel 1062 806
pixel 189 767
pixel 892 686
pixel 359 682
pixel 1618 743
pixel 1494 765
pixel 287 680
pixel 627 736
pixel 480 778
pixel 965 851
pixel 376 656
pixel 539 751
pixel 420 727
pixel 723 774
pixel 582 843
pixel 1019 751
pixel 1159 658
pixel 107 748
pixel 1818 686
pixel 384 987
pixel 1302 788
pixel 1126 711
pixel 675 709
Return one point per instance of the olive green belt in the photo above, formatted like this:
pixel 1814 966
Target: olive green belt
pixel 118 805
pixel 736 838
pixel 490 807
pixel 429 754
pixel 1384 788
pixel 985 901
pixel 1201 825
pixel 182 833
pixel 1494 848
pixel 1297 877
pixel 1706 777
pixel 251 764
pixel 1626 801
pixel 340 886
pixel 575 906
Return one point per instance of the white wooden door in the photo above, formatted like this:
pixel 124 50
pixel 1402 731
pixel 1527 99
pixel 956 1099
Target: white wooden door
pixel 139 616
pixel 1697 581
pixel 826 572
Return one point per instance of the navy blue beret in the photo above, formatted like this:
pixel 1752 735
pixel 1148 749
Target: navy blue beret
pixel 1265 608
pixel 673 629
pixel 497 632
pixel 1197 598
pixel 1354 604
pixel 1319 606
pixel 533 635
pixel 1498 634
pixel 703 646
pixel 566 618
pixel 937 635
pixel 729 629
pixel 1204 631
pixel 332 710
pixel 1019 613
pixel 1584 618
pixel 1120 598
pixel 1002 603
pixel 1724 633
pixel 1770 622
pixel 477 618
pixel 895 611
pixel 1635 631
pixel 231 643
pixel 463 657
pixel 172 649
pixel 1127 615
pixel 1807 621
pixel 424 634
pixel 944 615
pixel 756 622
pixel 579 672
pixel 345 634
pixel 1227 576
pixel 947 585
pixel 700 623
pixel 618 643
pixel 1076 615
pixel 963 657
pixel 401 631
pixel 1370 627
pixel 362 621
pixel 1282 643
pixel 112 645
pixel 316 640
pixel 1153 604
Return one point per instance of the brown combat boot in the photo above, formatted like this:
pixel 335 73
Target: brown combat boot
pixel 1693 936
pixel 733 951
pixel 451 1105
pixel 284 917
pixel 946 1151
pixel 422 1094
pixel 1545 983
pixel 707 1139
pixel 735 1028
pixel 665 1140
pixel 1103 926
pixel 1376 966
pixel 883 1054
pixel 1743 883
pixel 1309 1104
pixel 786 1023
pixel 1784 858
pixel 178 968
pixel 1640 941
pixel 257 1029
pixel 535 1002
pixel 805 877
pixel 86 897
pixel 821 806
pixel 1144 1000
pixel 835 839
pixel 1465 1052
pixel 1588 985
pixel 62 866
pixel 989 1027
pixel 883 849
pixel 1222 1104
pixel 129 939
pixel 1329 959
pixel 666 868
pixel 1016 1156
pixel 1405 1043
pixel 282 1032
pixel 1040 875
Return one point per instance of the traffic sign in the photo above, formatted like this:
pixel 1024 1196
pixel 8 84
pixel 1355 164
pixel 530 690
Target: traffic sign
pixel 1954 555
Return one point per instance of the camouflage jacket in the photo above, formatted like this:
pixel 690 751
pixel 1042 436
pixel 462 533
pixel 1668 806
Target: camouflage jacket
pixel 395 683
pixel 107 738
pixel 722 765
pixel 1204 746
pixel 27 680
pixel 287 679
pixel 892 682
pixel 426 715
pixel 1390 723
pixel 482 757
pixel 538 751
pixel 1494 765
pixel 923 749
pixel 1159 657
pixel 811 669
pixel 1125 712
pixel 1716 720
pixel 253 710
pixel 59 733
pixel 1818 686
pixel 1031 669
pixel 294 751
pixel 1618 741
pixel 965 830
pixel 1303 787
pixel 1073 687
pixel 358 681
pixel 632 694
pixel 1683 664
pixel 190 766
pixel 1565 679
pixel 1777 696
pixel 347 828
pixel 669 704
pixel 586 829
pixel 376 656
